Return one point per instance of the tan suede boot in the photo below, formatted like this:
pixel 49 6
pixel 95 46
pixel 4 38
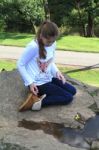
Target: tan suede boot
pixel 32 102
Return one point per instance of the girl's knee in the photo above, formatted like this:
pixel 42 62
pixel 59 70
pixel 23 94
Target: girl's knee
pixel 68 98
pixel 71 88
pixel 74 91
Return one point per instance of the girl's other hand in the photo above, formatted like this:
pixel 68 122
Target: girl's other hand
pixel 60 77
pixel 34 89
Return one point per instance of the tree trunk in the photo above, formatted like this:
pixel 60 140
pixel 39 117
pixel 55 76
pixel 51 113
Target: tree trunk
pixel 46 10
pixel 80 17
pixel 33 27
pixel 90 27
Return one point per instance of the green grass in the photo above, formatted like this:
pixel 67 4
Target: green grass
pixel 8 65
pixel 71 43
pixel 15 39
pixel 77 43
pixel 90 77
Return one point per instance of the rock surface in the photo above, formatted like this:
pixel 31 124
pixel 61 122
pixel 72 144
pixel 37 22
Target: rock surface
pixel 13 92
pixel 95 145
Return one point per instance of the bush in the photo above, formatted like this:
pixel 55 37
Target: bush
pixel 67 30
pixel 96 30
pixel 2 25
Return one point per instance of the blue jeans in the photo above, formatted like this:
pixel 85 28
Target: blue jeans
pixel 57 92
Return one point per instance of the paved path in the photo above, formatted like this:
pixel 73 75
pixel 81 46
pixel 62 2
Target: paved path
pixel 62 57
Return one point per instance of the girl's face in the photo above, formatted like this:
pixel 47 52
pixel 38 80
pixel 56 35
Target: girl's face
pixel 48 41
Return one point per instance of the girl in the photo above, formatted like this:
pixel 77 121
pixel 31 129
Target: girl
pixel 39 72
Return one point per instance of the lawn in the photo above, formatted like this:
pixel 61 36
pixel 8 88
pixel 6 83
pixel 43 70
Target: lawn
pixel 90 77
pixel 77 43
pixel 8 65
pixel 71 43
pixel 15 39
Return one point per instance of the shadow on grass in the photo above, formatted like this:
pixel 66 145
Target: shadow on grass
pixel 14 36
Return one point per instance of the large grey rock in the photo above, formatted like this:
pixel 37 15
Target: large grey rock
pixel 95 145
pixel 13 92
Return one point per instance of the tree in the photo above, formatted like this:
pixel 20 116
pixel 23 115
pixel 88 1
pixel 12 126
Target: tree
pixel 33 11
pixel 22 15
pixel 58 10
pixel 85 13
pixel 91 9
pixel 46 10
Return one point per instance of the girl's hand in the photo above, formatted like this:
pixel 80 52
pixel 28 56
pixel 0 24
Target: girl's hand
pixel 60 77
pixel 34 89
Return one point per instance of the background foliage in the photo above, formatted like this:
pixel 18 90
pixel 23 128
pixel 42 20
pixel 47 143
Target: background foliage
pixel 72 16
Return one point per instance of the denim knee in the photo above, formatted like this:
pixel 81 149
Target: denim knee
pixel 74 91
pixel 69 98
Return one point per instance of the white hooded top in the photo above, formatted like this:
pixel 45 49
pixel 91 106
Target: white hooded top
pixel 28 66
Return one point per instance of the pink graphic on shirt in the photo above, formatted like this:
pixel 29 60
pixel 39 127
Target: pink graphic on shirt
pixel 43 65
